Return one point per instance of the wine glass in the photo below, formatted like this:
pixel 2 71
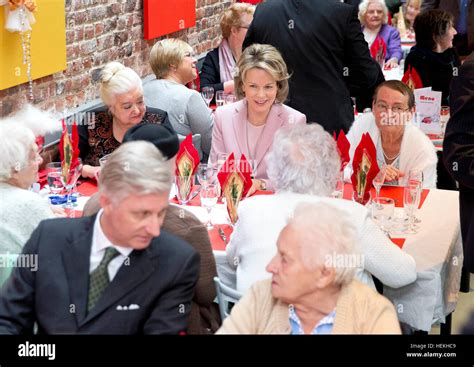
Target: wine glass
pixel 53 172
pixel 415 177
pixel 443 119
pixel 209 195
pixel 379 179
pixel 205 173
pixel 207 94
pixel 411 201
pixel 382 212
pixel 184 188
pixel 69 181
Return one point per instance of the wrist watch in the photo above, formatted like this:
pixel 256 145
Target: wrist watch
pixel 263 185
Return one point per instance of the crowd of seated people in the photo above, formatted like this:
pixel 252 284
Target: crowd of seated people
pixel 276 236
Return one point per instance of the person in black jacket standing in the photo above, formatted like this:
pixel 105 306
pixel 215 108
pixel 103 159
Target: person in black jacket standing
pixel 327 56
pixel 458 151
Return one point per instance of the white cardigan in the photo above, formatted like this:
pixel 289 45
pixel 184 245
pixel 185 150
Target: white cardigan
pixel 262 217
pixel 417 151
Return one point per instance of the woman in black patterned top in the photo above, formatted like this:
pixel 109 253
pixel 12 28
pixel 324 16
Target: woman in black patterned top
pixel 122 93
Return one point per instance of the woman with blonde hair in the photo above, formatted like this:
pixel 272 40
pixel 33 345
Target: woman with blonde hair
pixel 174 65
pixel 410 11
pixel 248 126
pixel 219 64
pixel 121 92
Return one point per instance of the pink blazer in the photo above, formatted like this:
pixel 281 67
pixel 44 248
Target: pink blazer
pixel 229 133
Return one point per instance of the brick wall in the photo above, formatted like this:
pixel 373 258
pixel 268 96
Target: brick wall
pixel 99 31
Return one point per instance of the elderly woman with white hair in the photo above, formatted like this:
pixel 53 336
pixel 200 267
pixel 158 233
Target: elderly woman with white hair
pixel 304 165
pixel 21 210
pixel 312 290
pixel 121 91
pixel 373 15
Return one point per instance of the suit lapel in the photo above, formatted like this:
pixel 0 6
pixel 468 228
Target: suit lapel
pixel 129 276
pixel 239 121
pixel 274 122
pixel 76 259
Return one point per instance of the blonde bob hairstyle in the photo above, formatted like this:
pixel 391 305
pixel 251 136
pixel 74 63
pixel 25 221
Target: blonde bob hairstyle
pixel 166 54
pixel 117 79
pixel 363 10
pixel 267 58
pixel 233 17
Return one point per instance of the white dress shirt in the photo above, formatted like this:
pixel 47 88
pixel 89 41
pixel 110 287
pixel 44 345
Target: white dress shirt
pixel 99 243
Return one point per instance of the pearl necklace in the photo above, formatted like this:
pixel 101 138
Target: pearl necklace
pixel 390 158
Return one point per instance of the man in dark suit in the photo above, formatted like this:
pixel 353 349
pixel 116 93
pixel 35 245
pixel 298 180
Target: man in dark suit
pixel 114 273
pixel 326 54
pixel 463 12
pixel 458 154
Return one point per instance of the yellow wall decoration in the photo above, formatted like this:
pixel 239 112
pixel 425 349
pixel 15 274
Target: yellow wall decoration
pixel 48 45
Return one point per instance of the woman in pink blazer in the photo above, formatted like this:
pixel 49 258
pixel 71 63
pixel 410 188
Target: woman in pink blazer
pixel 248 126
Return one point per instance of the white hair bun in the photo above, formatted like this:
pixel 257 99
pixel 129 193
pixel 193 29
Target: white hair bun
pixel 110 70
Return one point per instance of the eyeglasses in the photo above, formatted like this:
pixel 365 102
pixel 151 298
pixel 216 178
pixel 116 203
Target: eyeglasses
pixel 244 26
pixel 395 109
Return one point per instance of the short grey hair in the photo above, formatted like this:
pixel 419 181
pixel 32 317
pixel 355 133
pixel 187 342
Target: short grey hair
pixel 327 233
pixel 304 160
pixel 117 79
pixel 363 10
pixel 135 167
pixel 16 144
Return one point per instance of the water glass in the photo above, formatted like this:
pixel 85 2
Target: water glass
pixel 53 172
pixel 207 94
pixel 382 210
pixel 209 195
pixel 220 98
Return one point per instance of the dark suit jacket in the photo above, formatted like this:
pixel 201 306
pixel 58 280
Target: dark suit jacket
pixel 159 279
pixel 204 316
pixel 458 151
pixel 326 54
pixel 210 73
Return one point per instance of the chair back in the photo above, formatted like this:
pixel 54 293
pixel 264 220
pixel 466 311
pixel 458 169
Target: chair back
pixel 226 297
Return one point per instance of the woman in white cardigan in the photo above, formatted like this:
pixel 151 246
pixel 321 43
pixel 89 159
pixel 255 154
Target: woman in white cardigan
pixel 400 145
pixel 303 165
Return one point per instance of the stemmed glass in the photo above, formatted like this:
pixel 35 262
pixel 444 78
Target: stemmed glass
pixel 207 94
pixel 205 174
pixel 379 179
pixel 220 98
pixel 69 181
pixel 415 177
pixel 443 119
pixel 209 195
pixel 382 212
pixel 411 201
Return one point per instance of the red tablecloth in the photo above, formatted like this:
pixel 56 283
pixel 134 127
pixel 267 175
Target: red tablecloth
pixel 89 187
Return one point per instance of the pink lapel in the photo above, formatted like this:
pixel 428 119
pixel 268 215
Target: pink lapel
pixel 274 122
pixel 239 119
